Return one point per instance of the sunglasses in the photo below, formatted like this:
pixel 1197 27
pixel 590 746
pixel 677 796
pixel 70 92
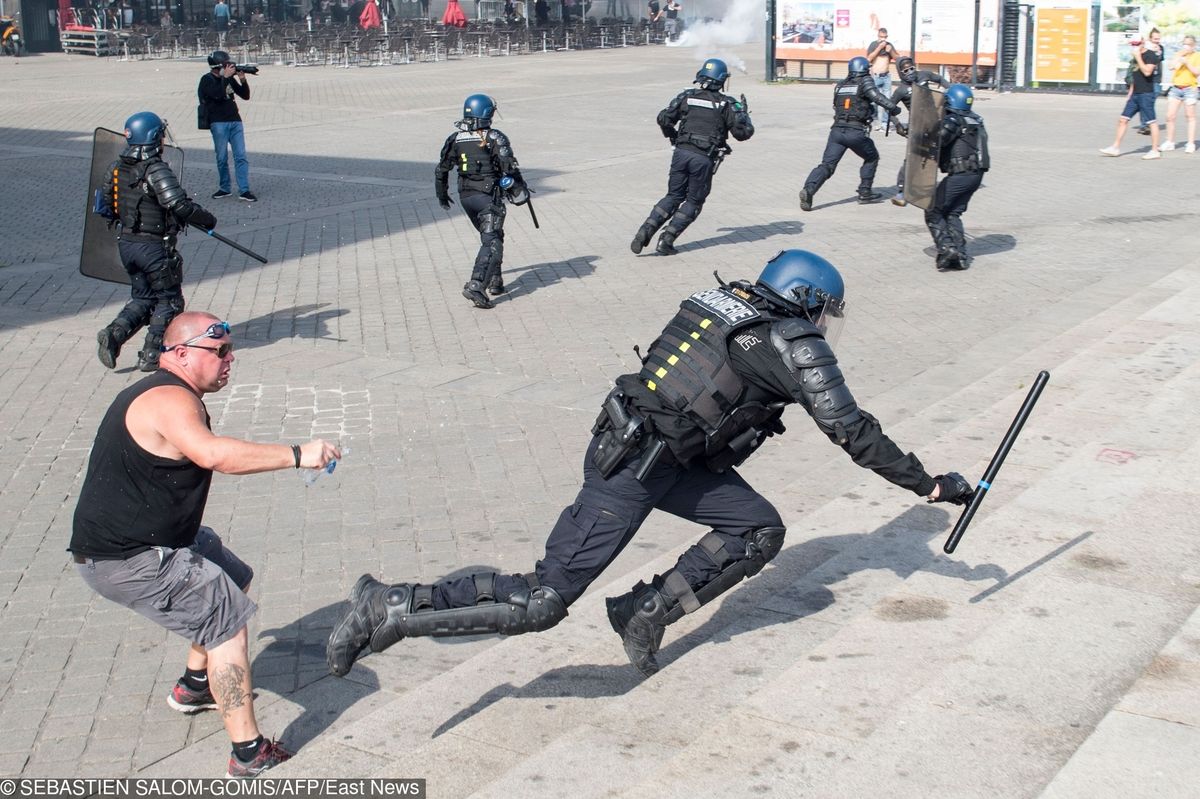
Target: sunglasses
pixel 217 330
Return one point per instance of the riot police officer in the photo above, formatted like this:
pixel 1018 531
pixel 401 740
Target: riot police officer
pixel 149 208
pixel 910 76
pixel 963 156
pixel 854 101
pixel 711 388
pixel 483 157
pixel 698 122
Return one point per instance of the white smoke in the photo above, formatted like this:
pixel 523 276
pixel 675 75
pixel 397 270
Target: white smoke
pixel 740 23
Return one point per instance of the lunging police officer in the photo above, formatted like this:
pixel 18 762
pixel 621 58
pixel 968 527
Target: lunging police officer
pixel 854 101
pixel 711 388
pixel 698 122
pixel 963 156
pixel 483 158
pixel 149 207
pixel 910 76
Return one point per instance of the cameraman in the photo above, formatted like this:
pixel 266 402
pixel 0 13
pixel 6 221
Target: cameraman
pixel 216 91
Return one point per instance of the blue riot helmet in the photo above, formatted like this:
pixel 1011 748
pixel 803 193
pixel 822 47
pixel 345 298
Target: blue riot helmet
pixel 713 74
pixel 959 97
pixel 145 130
pixel 806 285
pixel 859 66
pixel 478 110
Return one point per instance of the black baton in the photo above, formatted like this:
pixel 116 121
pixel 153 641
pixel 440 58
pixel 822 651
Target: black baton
pixel 232 244
pixel 993 468
pixel 532 213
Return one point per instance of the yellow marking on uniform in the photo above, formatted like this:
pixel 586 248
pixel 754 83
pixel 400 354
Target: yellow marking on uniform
pixel 684 347
pixel 705 324
pixel 672 360
pixel 696 336
pixel 650 384
pixel 661 372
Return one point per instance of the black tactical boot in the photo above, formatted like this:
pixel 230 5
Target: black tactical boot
pixel 352 635
pixel 951 261
pixel 148 361
pixel 110 340
pixel 641 239
pixel 866 196
pixel 806 199
pixel 666 245
pixel 495 286
pixel 638 617
pixel 473 291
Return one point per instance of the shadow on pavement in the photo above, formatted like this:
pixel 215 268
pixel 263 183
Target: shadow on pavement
pixel 738 235
pixel 299 321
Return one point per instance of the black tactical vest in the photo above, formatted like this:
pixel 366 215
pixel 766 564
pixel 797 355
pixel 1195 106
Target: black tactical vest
pixel 133 204
pixel 703 123
pixel 969 151
pixel 473 161
pixel 849 106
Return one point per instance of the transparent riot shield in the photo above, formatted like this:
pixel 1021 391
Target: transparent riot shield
pixel 921 166
pixel 98 257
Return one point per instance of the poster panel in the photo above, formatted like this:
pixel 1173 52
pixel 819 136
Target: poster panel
pixel 1061 51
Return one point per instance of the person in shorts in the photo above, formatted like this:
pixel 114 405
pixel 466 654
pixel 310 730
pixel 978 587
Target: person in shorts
pixel 137 538
pixel 1141 95
pixel 1185 67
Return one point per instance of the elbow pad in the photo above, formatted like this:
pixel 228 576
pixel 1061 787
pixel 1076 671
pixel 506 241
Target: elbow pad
pixel 811 360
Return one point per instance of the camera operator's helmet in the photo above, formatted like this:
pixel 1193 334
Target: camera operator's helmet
pixel 806 285
pixel 959 97
pixel 478 110
pixel 859 67
pixel 218 58
pixel 907 68
pixel 145 129
pixel 713 74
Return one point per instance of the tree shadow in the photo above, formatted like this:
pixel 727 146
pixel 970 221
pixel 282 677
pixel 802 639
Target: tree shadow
pixel 739 235
pixel 798 575
pixel 538 276
pixel 299 321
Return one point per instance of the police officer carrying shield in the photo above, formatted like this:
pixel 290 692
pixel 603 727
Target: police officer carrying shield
pixel 854 101
pixel 910 76
pixel 698 122
pixel 483 158
pixel 963 156
pixel 149 208
pixel 711 388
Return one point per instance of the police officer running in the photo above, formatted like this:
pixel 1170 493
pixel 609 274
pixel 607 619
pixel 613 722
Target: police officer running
pixel 711 389
pixel 910 76
pixel 484 160
pixel 963 156
pixel 149 207
pixel 854 101
pixel 698 122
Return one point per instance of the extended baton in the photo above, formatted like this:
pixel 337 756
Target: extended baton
pixel 231 243
pixel 993 468
pixel 532 213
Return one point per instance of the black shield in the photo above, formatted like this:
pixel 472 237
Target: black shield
pixel 98 257
pixel 921 166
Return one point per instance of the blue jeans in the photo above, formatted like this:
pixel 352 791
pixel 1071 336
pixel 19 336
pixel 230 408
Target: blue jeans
pixel 226 135
pixel 884 84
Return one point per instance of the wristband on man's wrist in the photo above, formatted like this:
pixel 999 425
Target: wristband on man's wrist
pixel 296 454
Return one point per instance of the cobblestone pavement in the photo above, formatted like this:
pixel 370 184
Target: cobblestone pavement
pixel 466 427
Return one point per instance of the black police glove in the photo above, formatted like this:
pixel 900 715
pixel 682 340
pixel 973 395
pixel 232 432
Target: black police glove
pixel 202 219
pixel 445 201
pixel 901 128
pixel 953 488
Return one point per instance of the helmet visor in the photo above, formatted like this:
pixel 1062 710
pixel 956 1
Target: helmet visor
pixel 830 318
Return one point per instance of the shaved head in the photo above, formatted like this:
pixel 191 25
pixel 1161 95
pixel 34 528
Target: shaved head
pixel 188 324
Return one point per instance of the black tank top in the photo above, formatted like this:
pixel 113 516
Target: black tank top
pixel 132 500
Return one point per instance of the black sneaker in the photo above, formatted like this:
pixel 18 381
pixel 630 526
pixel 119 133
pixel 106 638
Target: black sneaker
pixel 868 196
pixel 473 291
pixel 185 700
pixel 270 755
pixel 248 197
pixel 221 194
pixel 806 199
pixel 109 349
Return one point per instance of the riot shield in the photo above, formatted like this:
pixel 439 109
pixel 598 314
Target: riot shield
pixel 98 256
pixel 921 164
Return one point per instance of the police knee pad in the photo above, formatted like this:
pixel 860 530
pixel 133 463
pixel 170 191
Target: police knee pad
pixel 762 545
pixel 540 609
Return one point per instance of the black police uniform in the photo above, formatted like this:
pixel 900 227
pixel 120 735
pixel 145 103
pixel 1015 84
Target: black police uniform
pixel 150 207
pixel 903 96
pixel 963 156
pixel 854 101
pixel 481 158
pixel 698 122
pixel 712 387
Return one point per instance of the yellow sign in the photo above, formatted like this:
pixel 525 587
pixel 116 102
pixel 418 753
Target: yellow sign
pixel 1061 45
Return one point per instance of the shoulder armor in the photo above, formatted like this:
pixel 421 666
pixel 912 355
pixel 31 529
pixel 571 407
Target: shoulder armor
pixel 164 184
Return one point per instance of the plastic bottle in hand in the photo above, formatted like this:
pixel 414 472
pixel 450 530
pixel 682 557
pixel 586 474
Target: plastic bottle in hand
pixel 311 476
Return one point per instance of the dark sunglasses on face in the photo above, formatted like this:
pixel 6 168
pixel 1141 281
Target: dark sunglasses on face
pixel 221 351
